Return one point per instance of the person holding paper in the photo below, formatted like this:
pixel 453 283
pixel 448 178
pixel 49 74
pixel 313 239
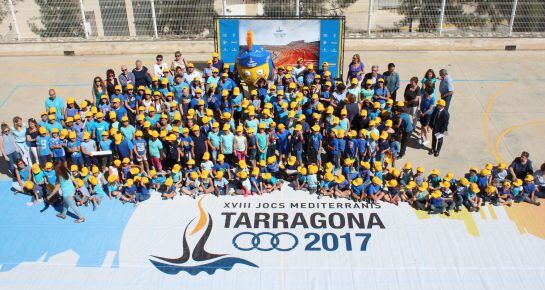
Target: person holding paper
pixel 439 124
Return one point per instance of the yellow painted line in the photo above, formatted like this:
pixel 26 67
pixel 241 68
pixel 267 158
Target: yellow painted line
pixel 483 215
pixel 492 212
pixel 506 131
pixel 486 119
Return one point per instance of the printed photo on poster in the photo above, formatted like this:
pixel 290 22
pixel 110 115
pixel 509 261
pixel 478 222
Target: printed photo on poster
pixel 286 40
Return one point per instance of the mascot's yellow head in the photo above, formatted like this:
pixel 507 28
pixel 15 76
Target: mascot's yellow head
pixel 253 61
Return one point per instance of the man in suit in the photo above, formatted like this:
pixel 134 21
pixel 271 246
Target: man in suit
pixel 373 75
pixel 439 123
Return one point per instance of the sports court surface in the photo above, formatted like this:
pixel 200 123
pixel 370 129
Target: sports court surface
pixel 497 111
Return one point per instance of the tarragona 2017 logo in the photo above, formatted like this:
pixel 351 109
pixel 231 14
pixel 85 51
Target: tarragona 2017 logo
pixel 269 227
pixel 198 260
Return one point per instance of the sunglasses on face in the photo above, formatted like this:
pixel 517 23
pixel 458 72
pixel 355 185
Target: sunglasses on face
pixel 124 69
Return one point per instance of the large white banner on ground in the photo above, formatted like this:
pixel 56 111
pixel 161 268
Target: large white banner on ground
pixel 292 240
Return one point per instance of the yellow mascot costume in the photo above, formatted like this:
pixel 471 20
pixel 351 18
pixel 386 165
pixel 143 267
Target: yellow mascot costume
pixel 253 62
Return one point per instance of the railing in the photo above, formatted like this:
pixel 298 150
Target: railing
pixel 54 20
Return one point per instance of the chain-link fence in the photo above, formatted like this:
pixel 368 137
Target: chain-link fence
pixel 47 20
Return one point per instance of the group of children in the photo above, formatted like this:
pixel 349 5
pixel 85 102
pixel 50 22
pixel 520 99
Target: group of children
pixel 212 136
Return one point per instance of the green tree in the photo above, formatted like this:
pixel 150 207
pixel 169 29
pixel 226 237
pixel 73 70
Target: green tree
pixel 58 18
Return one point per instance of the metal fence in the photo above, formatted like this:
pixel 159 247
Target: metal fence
pixel 49 20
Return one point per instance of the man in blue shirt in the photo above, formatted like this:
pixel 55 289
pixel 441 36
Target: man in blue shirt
pixel 446 87
pixel 55 102
pixel 391 77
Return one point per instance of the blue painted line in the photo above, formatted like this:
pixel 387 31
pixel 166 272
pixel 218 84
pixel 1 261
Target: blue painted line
pixel 17 87
pixel 11 93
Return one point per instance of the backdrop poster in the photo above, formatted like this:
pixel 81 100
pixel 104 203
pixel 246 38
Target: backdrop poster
pixel 315 40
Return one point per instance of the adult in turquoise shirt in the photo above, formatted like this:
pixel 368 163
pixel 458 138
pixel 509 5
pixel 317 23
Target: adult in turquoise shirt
pixel 65 186
pixel 55 102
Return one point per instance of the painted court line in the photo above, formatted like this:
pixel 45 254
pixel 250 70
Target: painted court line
pixel 17 87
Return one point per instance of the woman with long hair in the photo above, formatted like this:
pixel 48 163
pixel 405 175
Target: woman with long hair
pixel 99 89
pixel 429 78
pixel 66 188
pixel 31 135
pixel 111 82
pixel 19 132
pixel 356 69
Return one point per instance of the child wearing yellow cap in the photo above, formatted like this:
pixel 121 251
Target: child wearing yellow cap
pixel 82 192
pixel 206 183
pixel 192 185
pixel 300 182
pixel 221 185
pixel 97 192
pixel 472 200
pixel 505 193
pixel 36 191
pixel 529 191
pixel 240 143
pixel 437 203
pixel 168 189
pixel 421 196
pixel 270 183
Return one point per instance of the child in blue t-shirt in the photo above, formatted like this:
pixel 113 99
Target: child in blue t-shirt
pixel 301 180
pixel 57 145
pixel 221 185
pixel 44 146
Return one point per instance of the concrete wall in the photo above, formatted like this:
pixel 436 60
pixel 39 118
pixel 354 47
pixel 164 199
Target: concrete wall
pixel 203 48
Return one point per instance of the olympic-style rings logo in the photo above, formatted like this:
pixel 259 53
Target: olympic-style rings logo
pixel 265 241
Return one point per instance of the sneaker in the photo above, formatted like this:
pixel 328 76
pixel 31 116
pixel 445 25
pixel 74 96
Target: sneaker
pixel 447 213
pixel 60 215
